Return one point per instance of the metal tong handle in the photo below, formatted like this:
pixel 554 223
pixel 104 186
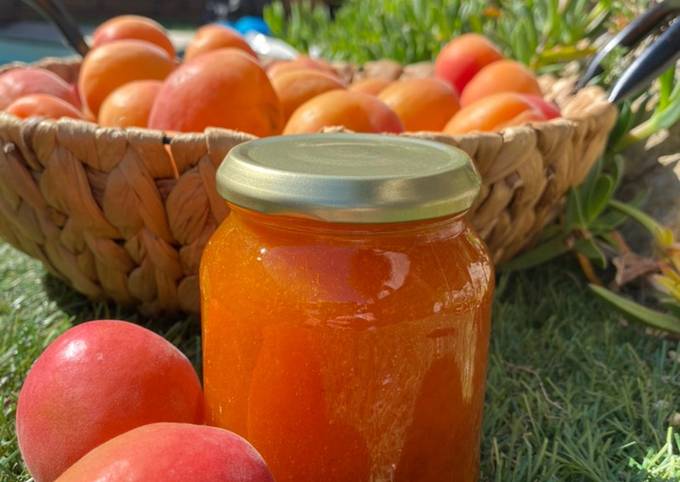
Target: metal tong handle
pixel 661 53
pixel 56 13
pixel 649 65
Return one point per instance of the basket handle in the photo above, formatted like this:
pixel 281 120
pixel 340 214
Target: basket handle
pixel 56 13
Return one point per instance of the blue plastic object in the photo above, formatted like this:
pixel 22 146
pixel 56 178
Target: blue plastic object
pixel 251 24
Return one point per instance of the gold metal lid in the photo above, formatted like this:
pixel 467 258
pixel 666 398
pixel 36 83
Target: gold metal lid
pixel 349 178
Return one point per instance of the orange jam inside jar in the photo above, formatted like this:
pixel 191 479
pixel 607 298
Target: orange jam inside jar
pixel 345 309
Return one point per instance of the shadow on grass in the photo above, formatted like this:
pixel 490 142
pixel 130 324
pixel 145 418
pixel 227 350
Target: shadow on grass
pixel 182 330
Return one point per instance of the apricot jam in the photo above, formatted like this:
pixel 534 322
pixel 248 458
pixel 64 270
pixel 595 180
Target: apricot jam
pixel 345 309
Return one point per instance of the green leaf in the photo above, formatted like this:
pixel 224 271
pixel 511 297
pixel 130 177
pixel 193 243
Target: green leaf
pixel 599 197
pixel 662 235
pixel 656 319
pixel 590 249
pixel 538 255
pixel 574 218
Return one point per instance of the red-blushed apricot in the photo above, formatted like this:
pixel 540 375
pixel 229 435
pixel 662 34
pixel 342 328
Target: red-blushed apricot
pixel 371 85
pixel 353 110
pixel 300 63
pixel 24 81
pixel 213 37
pixel 172 452
pixel 421 104
pixel 130 104
pixel 43 105
pixel 501 76
pixel 460 60
pixel 296 87
pixel 493 113
pixel 106 68
pixel 94 382
pixel 223 88
pixel 550 110
pixel 133 27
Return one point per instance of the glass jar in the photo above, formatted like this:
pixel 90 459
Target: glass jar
pixel 345 309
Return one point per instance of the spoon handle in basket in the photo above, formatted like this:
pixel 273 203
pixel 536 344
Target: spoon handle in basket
pixel 661 54
pixel 631 35
pixel 55 12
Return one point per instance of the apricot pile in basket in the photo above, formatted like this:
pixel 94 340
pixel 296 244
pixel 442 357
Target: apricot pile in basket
pixel 132 78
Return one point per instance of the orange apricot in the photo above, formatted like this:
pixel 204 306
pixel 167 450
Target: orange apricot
pixel 421 104
pixel 501 76
pixel 133 27
pixel 24 81
pixel 213 37
pixel 223 88
pixel 172 452
pixel 296 87
pixel 353 110
pixel 43 105
pixel 460 60
pixel 549 109
pixel 106 68
pixel 370 85
pixel 493 113
pixel 130 104
pixel 300 63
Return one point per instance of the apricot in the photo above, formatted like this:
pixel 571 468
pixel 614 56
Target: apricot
pixel 549 109
pixel 224 88
pixel 296 87
pixel 460 60
pixel 94 382
pixel 493 113
pixel 300 63
pixel 354 110
pixel 501 76
pixel 130 104
pixel 43 105
pixel 172 452
pixel 213 37
pixel 371 85
pixel 421 104
pixel 133 27
pixel 106 68
pixel 24 81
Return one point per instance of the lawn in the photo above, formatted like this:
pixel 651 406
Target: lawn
pixel 574 393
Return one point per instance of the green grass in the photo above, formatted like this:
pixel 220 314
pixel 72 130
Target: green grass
pixel 573 395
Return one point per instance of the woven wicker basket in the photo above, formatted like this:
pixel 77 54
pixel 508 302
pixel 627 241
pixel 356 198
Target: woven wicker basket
pixel 115 215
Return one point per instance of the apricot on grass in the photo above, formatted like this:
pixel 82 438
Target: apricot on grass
pixel 96 381
pixel 43 105
pixel 501 76
pixel 370 85
pixel 224 88
pixel 296 87
pixel 460 60
pixel 172 452
pixel 130 104
pixel 133 27
pixel 24 81
pixel 213 37
pixel 494 113
pixel 353 110
pixel 421 104
pixel 106 68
